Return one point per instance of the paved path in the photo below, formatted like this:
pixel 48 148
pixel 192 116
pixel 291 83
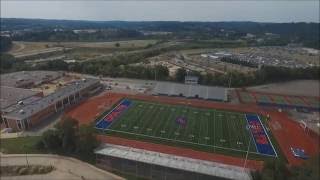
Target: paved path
pixel 66 168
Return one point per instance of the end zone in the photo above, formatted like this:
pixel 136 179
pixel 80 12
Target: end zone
pixel 260 136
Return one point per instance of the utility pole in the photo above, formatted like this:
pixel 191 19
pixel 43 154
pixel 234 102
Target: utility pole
pixel 26 155
pixel 245 161
pixel 230 81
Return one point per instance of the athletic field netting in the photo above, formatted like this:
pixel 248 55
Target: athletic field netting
pixel 198 128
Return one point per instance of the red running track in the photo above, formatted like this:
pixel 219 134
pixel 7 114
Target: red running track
pixel 290 134
pixel 251 164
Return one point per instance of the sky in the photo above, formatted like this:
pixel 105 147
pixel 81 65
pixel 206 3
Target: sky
pixel 165 10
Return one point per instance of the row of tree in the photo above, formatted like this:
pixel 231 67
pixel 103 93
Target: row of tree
pixel 68 138
pixel 132 67
pixel 69 35
pixel 277 170
pixel 266 74
pixel 5 43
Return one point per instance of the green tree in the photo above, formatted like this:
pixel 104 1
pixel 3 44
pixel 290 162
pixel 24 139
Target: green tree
pixel 86 141
pixel 51 140
pixel 272 170
pixel 5 43
pixel 68 128
pixel 162 72
pixel 307 171
pixel 7 62
pixel 180 74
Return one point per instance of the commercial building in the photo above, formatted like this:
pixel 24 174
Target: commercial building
pixel 31 111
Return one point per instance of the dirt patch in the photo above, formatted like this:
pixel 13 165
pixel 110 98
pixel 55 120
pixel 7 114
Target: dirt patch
pixel 301 87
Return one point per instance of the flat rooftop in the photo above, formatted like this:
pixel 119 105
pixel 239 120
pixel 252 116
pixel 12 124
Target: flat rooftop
pixel 190 91
pixel 12 95
pixel 176 162
pixel 53 98
pixel 21 78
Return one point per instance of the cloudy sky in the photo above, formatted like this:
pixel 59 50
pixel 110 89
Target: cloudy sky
pixel 165 10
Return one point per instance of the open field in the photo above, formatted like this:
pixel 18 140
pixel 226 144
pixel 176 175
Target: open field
pixel 21 47
pixel 298 87
pixel 75 50
pixel 110 44
pixel 210 130
pixel 20 145
pixel 25 47
pixel 279 100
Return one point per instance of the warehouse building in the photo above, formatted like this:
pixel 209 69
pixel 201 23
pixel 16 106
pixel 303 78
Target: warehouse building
pixel 31 111
pixel 155 165
pixel 191 91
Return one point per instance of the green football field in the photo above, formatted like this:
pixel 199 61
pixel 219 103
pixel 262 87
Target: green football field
pixel 208 130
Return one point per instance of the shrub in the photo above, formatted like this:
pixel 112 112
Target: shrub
pixel 23 171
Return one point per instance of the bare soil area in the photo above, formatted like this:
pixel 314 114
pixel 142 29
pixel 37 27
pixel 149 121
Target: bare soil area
pixel 299 87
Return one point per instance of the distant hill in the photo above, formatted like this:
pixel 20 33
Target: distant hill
pixel 306 33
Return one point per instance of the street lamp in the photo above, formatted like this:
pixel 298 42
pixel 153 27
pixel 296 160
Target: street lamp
pixel 25 147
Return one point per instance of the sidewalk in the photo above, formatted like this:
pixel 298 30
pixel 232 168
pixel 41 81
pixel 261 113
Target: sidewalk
pixel 65 168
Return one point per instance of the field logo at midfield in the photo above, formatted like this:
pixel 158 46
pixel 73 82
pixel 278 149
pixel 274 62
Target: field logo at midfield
pixel 259 135
pixel 182 121
pixel 112 115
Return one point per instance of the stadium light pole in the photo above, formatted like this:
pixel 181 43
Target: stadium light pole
pixel 230 80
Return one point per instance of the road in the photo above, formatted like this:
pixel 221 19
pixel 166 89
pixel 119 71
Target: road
pixel 65 168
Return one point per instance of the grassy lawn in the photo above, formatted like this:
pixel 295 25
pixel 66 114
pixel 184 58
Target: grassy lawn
pixel 20 145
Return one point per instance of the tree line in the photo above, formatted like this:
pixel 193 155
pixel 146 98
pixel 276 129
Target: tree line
pixel 278 170
pixel 5 43
pixel 133 66
pixel 70 138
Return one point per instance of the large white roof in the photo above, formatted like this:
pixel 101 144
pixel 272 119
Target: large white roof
pixel 176 162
